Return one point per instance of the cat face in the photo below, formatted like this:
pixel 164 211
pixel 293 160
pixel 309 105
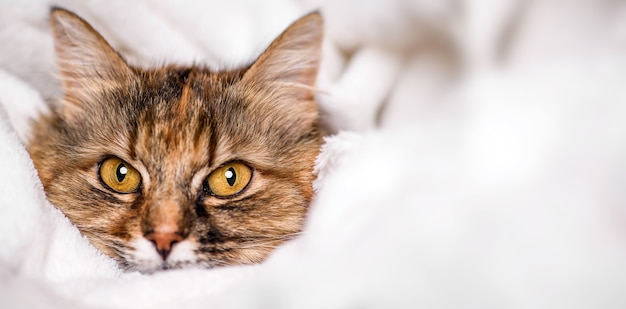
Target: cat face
pixel 181 166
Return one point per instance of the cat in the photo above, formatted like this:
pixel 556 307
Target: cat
pixel 179 167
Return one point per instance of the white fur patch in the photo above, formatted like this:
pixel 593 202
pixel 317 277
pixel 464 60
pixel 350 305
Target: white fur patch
pixel 146 259
pixel 182 253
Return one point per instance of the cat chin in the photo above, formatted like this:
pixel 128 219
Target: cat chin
pixel 145 259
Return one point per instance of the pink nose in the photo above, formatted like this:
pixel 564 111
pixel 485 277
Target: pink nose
pixel 164 241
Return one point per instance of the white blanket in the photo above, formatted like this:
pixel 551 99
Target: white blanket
pixel 481 161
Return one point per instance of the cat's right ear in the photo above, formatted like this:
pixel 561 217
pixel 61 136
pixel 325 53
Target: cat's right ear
pixel 88 65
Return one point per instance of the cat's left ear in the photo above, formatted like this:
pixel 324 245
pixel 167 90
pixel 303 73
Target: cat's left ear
pixel 290 64
pixel 87 63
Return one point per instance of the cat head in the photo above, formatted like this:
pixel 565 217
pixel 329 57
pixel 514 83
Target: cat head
pixel 181 166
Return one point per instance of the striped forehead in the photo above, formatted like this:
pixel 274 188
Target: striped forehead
pixel 183 119
pixel 174 130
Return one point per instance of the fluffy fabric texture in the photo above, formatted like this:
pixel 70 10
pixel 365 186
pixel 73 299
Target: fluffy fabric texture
pixel 480 163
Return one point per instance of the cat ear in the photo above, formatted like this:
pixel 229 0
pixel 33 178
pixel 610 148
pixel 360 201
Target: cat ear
pixel 87 64
pixel 292 60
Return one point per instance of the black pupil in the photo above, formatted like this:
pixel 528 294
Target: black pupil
pixel 231 177
pixel 121 172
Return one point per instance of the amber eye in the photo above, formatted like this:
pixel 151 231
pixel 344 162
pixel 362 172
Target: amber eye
pixel 230 179
pixel 119 175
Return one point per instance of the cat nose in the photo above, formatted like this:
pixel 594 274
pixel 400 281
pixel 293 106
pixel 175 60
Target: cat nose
pixel 164 241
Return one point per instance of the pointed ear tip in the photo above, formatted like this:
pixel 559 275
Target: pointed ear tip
pixel 59 13
pixel 57 10
pixel 314 16
pixel 312 23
